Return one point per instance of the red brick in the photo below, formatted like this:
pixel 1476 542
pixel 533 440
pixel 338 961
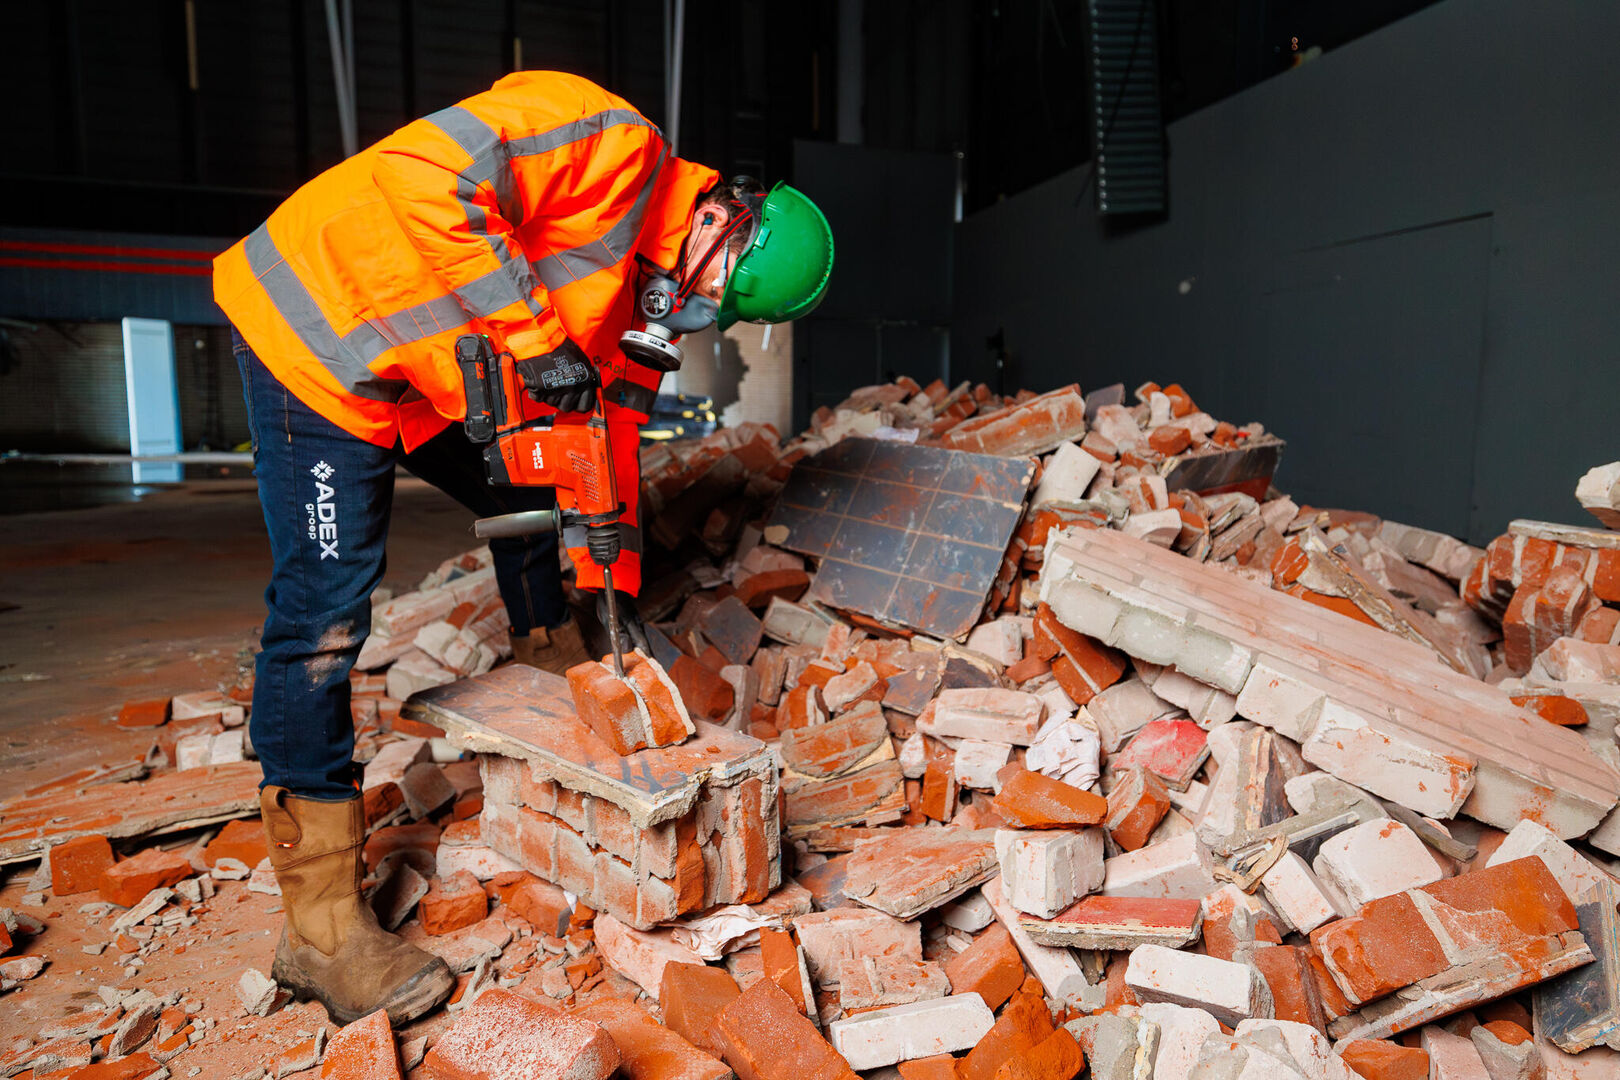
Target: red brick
pixel 1057 1057
pixel 746 845
pixel 1510 1033
pixel 1601 625
pixel 647 1049
pixel 126 882
pixel 828 749
pixel 131 1067
pixel 1032 801
pixel 78 864
pixel 502 1036
pixel 363 1050
pixel 139 714
pixel 1542 613
pixel 990 967
pixel 1023 1025
pixel 1083 666
pixel 1523 890
pixel 382 842
pixel 758 590
pixel 1554 708
pixel 1604 569
pixel 1385 947
pixel 380 801
pixel 1030 667
pixel 1170 441
pixel 1376 1059
pixel 1028 427
pixel 1287 971
pixel 666 723
pixel 691 996
pixel 608 706
pixel 706 694
pixel 762 1036
pixel 780 956
pixel 1137 804
pixel 800 707
pixel 938 1067
pixel 543 906
pixel 939 788
pixel 241 840
pixel 452 904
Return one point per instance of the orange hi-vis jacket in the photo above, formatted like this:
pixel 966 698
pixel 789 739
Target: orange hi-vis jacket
pixel 519 213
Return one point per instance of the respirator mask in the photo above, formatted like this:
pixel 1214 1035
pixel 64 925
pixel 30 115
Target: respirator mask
pixel 669 307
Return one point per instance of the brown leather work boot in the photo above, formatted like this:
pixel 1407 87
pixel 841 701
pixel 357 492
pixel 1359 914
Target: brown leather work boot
pixel 331 947
pixel 554 650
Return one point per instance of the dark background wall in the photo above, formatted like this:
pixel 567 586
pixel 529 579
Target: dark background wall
pixel 1401 257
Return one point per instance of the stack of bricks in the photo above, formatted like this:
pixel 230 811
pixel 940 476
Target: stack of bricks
pixel 647 837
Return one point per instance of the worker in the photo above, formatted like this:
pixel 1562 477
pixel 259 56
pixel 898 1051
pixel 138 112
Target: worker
pixel 533 213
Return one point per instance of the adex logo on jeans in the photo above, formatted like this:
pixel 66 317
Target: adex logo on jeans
pixel 322 513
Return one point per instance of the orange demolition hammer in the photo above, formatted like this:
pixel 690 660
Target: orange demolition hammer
pixel 569 452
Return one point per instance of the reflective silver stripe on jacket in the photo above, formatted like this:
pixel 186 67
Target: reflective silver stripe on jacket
pixel 491 163
pixel 345 357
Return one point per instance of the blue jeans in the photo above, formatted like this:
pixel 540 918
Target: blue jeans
pixel 326 497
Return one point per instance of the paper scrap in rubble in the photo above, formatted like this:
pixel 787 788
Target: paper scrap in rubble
pixel 1065 749
pixel 724 930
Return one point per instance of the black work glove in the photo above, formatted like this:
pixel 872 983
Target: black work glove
pixel 563 378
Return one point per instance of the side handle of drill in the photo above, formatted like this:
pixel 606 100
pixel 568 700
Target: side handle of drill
pixel 481 379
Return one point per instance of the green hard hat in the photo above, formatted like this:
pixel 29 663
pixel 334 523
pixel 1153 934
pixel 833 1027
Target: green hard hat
pixel 784 272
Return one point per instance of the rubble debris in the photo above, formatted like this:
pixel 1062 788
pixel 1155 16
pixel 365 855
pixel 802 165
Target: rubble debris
pixel 30 823
pixel 1169 782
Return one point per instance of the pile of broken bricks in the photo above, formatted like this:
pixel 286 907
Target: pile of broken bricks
pixel 1217 785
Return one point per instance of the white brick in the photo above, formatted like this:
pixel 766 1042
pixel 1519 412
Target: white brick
pixel 977 763
pixel 1058 969
pixel 1069 471
pixel 192 751
pixel 1124 709
pixel 1292 889
pixel 1213 659
pixel 1278 696
pixel 830 937
pixel 1208 706
pixel 1228 991
pixel 1421 779
pixel 393 759
pixel 1573 872
pixel 479 860
pixel 871 1040
pixel 1606 837
pixel 1182 1032
pixel 1370 860
pixel 1005 716
pixel 969 913
pixel 1157 527
pixel 1451 1057
pixel 1508 1061
pixel 1000 639
pixel 1309 1050
pixel 1044 871
pixel 1599 491
pixel 1178 869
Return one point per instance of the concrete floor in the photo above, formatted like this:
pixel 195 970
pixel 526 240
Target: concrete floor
pixel 147 599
